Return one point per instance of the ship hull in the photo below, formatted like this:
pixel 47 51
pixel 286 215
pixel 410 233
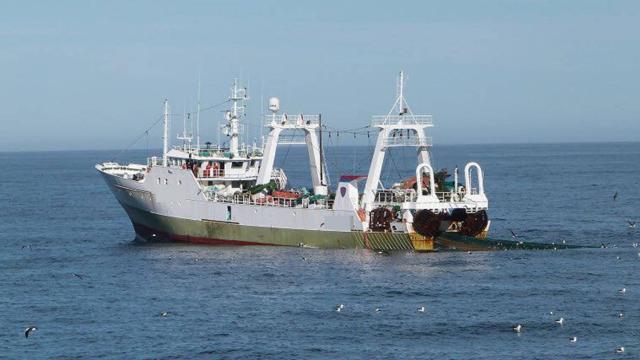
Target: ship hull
pixel 154 227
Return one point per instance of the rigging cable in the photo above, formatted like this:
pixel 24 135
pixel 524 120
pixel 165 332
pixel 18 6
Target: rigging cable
pixel 146 131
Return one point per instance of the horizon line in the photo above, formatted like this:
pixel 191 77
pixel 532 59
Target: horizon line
pixel 360 145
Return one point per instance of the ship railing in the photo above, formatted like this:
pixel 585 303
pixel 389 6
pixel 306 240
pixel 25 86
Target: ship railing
pixel 118 167
pixel 291 119
pixel 446 196
pixel 398 141
pixel 406 119
pixel 211 173
pixel 154 161
pixel 395 196
pixel 244 199
pixel 221 175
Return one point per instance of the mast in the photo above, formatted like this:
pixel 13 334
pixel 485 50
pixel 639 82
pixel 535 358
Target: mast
pixel 322 182
pixel 400 91
pixel 165 137
pixel 198 118
pixel 234 115
pixel 186 137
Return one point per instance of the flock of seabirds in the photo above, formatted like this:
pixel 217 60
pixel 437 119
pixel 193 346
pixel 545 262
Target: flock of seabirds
pixel 517 328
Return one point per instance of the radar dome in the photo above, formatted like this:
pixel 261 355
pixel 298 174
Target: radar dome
pixel 274 104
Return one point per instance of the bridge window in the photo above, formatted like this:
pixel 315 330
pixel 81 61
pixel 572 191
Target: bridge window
pixel 236 164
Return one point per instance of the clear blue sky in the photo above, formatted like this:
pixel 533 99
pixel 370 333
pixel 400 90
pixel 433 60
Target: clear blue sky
pixel 93 74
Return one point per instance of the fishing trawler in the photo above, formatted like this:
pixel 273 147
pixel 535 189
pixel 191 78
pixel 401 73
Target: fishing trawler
pixel 233 195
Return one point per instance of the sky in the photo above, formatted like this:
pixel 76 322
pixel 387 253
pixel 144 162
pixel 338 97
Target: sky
pixel 93 74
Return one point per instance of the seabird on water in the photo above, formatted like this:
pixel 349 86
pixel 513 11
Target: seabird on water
pixel 378 309
pixel 29 330
pixel 517 328
pixel 622 291
pixel 615 196
pixel 560 321
pixel 620 349
pixel 164 313
pixel 339 307
pixel 421 309
pixel 513 234
pixel 632 224
pixel 78 276
pixel 573 339
pixel 620 315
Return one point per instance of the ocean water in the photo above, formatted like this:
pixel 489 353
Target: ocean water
pixel 57 218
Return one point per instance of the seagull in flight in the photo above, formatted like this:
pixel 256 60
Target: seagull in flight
pixel 513 234
pixel 29 330
pixel 632 224
pixel 26 246
pixel 517 328
pixel 339 307
pixel 78 276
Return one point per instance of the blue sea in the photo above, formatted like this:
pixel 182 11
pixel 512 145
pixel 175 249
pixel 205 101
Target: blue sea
pixel 58 218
